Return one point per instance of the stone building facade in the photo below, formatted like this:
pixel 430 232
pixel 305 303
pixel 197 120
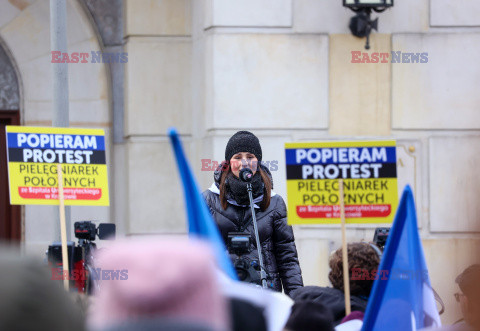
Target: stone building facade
pixel 280 68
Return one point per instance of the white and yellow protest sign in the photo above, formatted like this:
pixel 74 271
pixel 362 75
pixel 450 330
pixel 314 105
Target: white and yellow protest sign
pixel 33 154
pixel 369 173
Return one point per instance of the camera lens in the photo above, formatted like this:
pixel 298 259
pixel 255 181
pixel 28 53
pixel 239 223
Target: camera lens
pixel 242 274
pixel 241 268
pixel 255 265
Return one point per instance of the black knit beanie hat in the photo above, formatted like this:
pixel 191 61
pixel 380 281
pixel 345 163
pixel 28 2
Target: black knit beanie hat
pixel 243 141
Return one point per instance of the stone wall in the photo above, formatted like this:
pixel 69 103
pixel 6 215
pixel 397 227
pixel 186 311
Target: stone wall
pixel 158 90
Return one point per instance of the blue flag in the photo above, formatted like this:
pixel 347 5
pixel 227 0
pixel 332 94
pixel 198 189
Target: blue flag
pixel 402 297
pixel 200 221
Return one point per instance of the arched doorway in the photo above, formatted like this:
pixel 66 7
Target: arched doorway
pixel 10 220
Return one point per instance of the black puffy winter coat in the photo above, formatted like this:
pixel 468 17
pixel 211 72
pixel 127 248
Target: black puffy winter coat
pixel 276 237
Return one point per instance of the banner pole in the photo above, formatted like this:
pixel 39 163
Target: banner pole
pixel 63 228
pixel 346 278
pixel 61 117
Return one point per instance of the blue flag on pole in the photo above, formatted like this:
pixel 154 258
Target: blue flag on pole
pixel 200 221
pixel 402 298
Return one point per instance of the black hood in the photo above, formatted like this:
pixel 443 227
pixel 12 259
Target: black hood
pixel 331 297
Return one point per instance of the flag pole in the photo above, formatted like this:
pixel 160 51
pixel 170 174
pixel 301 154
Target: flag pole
pixel 200 221
pixel 63 228
pixel 346 278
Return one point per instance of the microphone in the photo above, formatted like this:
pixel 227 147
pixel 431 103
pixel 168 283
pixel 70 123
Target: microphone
pixel 246 175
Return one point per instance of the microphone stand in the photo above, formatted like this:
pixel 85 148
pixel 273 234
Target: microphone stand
pixel 263 274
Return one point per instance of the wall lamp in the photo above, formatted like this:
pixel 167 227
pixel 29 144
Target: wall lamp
pixel 361 25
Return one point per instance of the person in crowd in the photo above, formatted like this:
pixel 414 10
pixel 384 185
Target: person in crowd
pixel 469 297
pixel 309 316
pixel 30 300
pixel 247 316
pixel 229 205
pixel 166 285
pixel 363 259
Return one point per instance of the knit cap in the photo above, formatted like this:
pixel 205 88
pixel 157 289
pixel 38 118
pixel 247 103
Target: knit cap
pixel 243 141
pixel 173 279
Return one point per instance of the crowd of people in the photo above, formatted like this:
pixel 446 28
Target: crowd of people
pixel 176 285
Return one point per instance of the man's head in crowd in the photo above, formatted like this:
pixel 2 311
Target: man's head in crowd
pixel 360 256
pixel 469 296
pixel 30 300
pixel 309 315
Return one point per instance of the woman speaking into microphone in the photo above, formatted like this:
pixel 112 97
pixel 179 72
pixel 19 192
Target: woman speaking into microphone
pixel 229 205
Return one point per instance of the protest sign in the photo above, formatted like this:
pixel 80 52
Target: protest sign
pixel 34 153
pixel 369 173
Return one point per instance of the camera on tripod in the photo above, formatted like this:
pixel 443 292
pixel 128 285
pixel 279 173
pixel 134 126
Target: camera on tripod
pixel 80 258
pixel 88 230
pixel 248 270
